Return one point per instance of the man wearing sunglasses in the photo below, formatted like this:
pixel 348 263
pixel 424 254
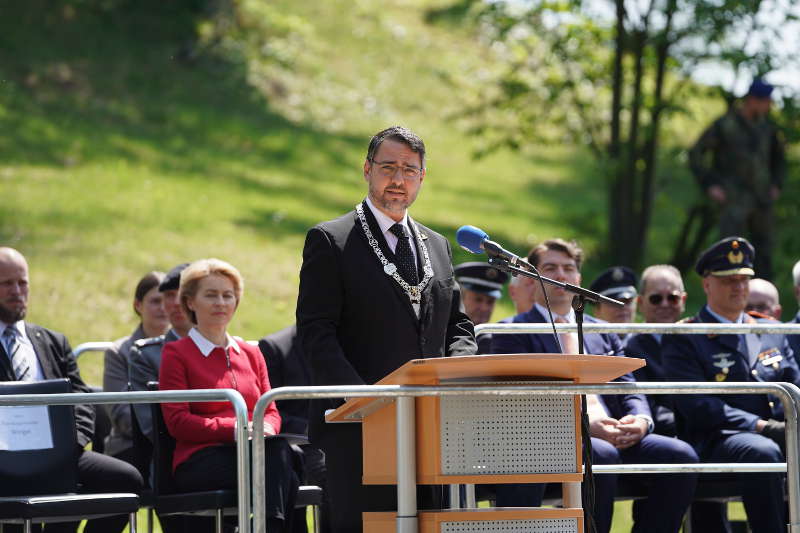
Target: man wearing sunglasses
pixel 662 301
pixel 734 428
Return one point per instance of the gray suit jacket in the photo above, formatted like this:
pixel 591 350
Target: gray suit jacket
pixel 115 379
pixel 144 364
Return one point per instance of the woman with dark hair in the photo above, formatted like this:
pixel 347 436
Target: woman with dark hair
pixel 208 358
pixel 148 304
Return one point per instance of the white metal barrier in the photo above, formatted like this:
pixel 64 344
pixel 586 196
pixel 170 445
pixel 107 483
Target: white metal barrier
pixel 200 395
pixel 788 394
pixel 643 327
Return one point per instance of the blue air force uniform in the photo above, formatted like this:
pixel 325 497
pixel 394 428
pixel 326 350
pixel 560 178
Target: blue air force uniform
pixel 668 495
pixel 722 428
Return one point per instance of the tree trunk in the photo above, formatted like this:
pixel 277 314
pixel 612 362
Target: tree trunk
pixel 616 217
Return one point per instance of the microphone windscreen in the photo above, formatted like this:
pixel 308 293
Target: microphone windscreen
pixel 471 238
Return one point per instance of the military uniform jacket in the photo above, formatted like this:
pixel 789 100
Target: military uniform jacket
pixel 703 418
pixel 356 324
pixel 794 340
pixel 55 357
pixel 746 157
pixel 616 406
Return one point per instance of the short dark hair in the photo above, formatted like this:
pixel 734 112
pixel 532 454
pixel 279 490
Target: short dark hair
pixel 400 134
pixel 570 248
pixel 148 282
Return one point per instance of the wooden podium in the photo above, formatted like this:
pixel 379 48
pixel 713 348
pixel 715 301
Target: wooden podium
pixel 480 438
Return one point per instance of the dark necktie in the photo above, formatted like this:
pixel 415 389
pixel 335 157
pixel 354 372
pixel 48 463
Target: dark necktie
pixel 18 361
pixel 404 256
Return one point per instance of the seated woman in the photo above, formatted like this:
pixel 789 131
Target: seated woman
pixel 148 304
pixel 207 358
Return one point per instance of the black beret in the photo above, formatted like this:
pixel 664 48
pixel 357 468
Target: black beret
pixel 731 255
pixel 173 279
pixel 616 282
pixel 480 277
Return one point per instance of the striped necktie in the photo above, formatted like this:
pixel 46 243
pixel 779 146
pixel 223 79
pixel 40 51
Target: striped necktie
pixel 18 360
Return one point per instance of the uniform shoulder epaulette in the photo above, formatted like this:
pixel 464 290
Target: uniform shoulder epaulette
pixel 756 314
pixel 141 343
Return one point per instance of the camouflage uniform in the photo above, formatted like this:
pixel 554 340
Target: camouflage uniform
pixel 746 159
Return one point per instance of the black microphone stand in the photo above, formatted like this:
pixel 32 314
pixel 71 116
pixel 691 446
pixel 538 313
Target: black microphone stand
pixel 578 305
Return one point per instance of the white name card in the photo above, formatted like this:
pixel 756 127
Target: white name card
pixel 25 427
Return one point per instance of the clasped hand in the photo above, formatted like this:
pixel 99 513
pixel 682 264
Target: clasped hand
pixel 622 433
pixel 268 429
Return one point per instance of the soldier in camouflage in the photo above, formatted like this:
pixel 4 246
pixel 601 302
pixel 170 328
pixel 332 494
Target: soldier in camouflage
pixel 739 162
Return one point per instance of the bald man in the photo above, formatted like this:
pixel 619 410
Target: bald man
pixel 32 353
pixel 764 298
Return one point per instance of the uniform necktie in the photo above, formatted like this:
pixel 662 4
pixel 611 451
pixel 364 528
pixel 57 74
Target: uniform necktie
pixel 18 361
pixel 569 341
pixel 406 264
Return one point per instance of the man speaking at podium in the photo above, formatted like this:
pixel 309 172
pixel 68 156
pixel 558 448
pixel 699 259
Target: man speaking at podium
pixel 376 290
pixel 620 426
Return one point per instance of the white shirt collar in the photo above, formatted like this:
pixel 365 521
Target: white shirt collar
pixel 206 346
pixel 385 221
pixel 569 317
pixel 724 320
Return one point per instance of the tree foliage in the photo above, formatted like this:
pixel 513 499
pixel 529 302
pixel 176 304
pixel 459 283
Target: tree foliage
pixel 605 74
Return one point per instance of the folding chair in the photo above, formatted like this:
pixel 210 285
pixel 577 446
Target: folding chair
pixel 167 499
pixel 40 485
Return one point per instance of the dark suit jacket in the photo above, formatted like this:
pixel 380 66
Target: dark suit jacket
pixel 356 324
pixel 703 417
pixel 617 406
pixel 647 347
pixel 287 367
pixel 55 357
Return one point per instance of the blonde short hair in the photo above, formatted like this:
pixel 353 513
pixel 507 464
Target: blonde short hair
pixel 202 268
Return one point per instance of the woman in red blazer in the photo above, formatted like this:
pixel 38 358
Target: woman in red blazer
pixel 208 358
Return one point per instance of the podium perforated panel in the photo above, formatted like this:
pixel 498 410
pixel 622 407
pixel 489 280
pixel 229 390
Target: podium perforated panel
pixel 507 435
pixel 553 525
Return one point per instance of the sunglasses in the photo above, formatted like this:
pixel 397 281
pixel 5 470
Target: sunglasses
pixel 672 298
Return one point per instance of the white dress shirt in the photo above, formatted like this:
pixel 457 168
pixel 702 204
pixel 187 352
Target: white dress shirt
pixel 385 222
pixel 25 349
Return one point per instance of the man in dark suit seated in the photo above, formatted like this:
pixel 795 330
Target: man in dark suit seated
pixel 619 283
pixel 288 368
pixel 662 301
pixel 376 290
pixel 620 426
pixel 734 428
pixel 32 353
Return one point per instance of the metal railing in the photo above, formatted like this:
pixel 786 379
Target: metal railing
pixel 643 327
pixel 99 346
pixel 200 395
pixel 788 394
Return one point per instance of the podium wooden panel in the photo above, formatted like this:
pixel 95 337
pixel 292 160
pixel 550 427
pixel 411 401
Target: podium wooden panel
pixel 432 521
pixel 378 415
pixel 433 419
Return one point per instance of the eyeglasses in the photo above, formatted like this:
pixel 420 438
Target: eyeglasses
pixel 389 170
pixel 673 298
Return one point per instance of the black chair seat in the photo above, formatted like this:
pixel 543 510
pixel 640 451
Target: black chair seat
pixel 195 502
pixel 64 507
pixel 308 495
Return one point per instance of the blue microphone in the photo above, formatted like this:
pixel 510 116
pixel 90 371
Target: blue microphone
pixel 471 238
pixel 476 240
